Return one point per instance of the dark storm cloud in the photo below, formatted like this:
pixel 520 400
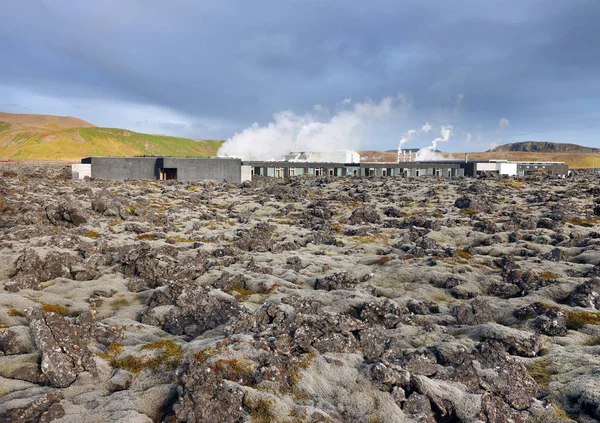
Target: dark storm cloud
pixel 240 61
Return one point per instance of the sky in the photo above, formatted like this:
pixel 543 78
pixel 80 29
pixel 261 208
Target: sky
pixel 281 74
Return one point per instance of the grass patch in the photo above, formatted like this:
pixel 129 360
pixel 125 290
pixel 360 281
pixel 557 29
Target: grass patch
pixel 55 308
pixel 4 126
pixel 115 222
pixel 131 209
pixel 469 212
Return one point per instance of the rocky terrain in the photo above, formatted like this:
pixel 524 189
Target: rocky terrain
pixel 311 300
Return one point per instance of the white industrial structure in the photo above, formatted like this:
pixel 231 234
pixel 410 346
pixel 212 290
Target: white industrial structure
pixel 342 156
pixel 508 168
pixel 81 170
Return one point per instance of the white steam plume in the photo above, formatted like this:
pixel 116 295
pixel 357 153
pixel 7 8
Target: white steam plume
pixel 346 129
pixel 409 135
pixel 429 153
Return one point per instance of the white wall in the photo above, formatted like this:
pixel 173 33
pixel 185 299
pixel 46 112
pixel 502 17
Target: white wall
pixel 246 173
pixel 488 167
pixel 80 171
pixel 509 169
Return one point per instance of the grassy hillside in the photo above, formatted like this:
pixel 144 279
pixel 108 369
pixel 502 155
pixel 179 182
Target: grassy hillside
pixel 57 138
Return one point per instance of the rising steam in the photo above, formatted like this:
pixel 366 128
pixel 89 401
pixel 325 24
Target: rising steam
pixel 346 129
pixel 409 135
pixel 429 153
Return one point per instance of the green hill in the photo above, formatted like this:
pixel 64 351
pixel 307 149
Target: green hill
pixel 45 137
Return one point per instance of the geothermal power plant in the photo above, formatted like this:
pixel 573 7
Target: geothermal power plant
pixel 335 163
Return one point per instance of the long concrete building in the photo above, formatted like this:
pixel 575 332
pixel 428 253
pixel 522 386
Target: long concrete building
pixel 296 164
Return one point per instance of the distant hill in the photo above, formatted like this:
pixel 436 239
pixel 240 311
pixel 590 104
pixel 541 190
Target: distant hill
pixel 544 147
pixel 44 137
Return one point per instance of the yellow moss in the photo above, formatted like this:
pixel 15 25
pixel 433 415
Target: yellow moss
pixel 469 212
pixel 204 355
pixel 371 239
pixel 261 411
pixel 92 234
pixel 55 308
pixel 547 276
pixel 584 222
pixel 176 239
pixel 131 209
pixel 234 369
pixel 13 312
pixel 383 260
pixel 112 351
pixel 578 319
pixel 512 184
pixel 463 254
pixel 147 237
pixel 114 222
pixel 168 358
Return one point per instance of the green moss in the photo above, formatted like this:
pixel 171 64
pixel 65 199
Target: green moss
pixel 540 371
pixel 119 303
pixel 168 358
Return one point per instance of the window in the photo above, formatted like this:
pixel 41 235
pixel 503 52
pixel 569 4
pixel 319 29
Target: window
pixel 292 171
pixel 331 172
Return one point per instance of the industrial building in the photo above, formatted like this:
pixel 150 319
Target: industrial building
pixel 344 163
